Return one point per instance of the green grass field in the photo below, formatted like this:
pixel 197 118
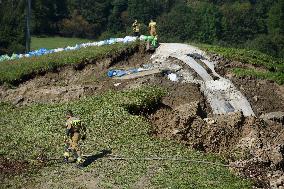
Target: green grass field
pixel 30 131
pixel 55 42
pixel 274 66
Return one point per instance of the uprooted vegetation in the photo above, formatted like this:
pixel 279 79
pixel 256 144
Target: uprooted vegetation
pixel 129 122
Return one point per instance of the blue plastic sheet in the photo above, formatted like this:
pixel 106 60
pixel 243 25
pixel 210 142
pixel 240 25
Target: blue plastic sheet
pixel 119 73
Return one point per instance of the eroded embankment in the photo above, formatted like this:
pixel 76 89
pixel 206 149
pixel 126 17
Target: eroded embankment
pixel 233 131
pixel 184 114
pixel 70 82
pixel 244 141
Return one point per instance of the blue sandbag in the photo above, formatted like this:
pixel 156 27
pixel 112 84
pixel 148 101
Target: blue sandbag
pixel 111 73
pixel 117 73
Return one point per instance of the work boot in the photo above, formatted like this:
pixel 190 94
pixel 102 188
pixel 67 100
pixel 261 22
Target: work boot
pixel 66 157
pixel 79 163
pixel 65 160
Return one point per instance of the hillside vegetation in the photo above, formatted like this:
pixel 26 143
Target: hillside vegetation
pixel 37 130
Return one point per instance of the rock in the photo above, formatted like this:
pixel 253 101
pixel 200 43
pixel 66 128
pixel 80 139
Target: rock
pixel 274 116
pixel 276 154
pixel 175 131
pixel 255 98
pixel 210 121
pixel 196 56
pixel 18 100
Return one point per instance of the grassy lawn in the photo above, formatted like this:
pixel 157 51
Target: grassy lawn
pixel 13 71
pixel 274 66
pixel 55 42
pixel 28 131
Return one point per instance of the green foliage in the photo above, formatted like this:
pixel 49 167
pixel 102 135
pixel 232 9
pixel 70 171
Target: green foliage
pixel 199 21
pixel 12 20
pixel 269 44
pixel 37 129
pixel 250 24
pixel 238 22
pixel 76 26
pixel 95 12
pixel 46 16
pixel 172 26
pixel 209 28
pixel 117 20
pixel 14 71
pixel 276 18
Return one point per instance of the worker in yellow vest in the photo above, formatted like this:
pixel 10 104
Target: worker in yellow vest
pixel 153 28
pixel 136 28
pixel 75 131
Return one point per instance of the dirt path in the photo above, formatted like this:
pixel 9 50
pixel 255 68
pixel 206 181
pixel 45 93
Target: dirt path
pixel 222 95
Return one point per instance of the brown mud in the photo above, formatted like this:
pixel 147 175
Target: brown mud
pixel 10 168
pixel 183 114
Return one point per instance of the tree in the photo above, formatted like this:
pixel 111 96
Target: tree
pixel 116 23
pixel 276 18
pixel 209 22
pixel 180 24
pixel 46 16
pixel 12 30
pixel 239 22
pixel 96 12
pixel 76 26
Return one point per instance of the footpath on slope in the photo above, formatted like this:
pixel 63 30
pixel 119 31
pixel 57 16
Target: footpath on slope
pixel 221 93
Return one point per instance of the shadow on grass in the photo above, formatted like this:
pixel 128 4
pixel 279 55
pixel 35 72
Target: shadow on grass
pixel 90 159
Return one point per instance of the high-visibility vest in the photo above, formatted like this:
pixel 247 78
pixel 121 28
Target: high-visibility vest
pixel 152 25
pixel 136 27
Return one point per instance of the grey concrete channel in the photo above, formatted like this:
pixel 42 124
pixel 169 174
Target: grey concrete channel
pixel 220 92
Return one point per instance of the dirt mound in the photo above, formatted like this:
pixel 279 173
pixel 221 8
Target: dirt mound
pixel 265 96
pixel 259 146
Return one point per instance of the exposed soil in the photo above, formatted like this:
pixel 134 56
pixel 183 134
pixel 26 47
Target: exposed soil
pixel 11 167
pixel 69 83
pixel 184 114
pixel 264 95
